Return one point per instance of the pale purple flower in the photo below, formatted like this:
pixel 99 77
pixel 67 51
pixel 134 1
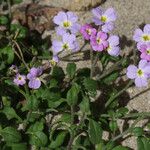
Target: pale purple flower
pixel 19 79
pixel 145 51
pixel 113 49
pixel 33 76
pixel 142 36
pixel 68 43
pixel 14 69
pixel 99 41
pixel 104 18
pixel 87 30
pixel 67 22
pixel 140 74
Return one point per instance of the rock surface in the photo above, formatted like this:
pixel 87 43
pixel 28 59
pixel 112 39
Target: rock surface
pixel 71 4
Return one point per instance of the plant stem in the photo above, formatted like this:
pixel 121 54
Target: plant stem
pixel 128 130
pixel 21 54
pixel 130 115
pixel 110 70
pixel 92 65
pixel 71 135
pixel 9 8
pixel 111 99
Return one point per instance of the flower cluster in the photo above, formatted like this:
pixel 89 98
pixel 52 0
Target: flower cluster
pixel 99 37
pixel 141 73
pixel 67 27
pixel 32 76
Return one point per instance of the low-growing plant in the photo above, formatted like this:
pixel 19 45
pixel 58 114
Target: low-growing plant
pixel 46 107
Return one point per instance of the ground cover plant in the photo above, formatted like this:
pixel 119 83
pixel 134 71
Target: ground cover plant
pixel 46 107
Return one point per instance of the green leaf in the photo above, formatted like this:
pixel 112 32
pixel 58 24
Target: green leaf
pixel 90 84
pixel 38 138
pixel 71 69
pixel 3 20
pixel 138 131
pixel 113 125
pixel 20 146
pixel 59 140
pixel 95 132
pixel 10 113
pixel 55 104
pixel 143 143
pixel 58 73
pixel 8 51
pixel 110 78
pixel 72 94
pixel 121 111
pixel 11 135
pixel 37 126
pixel 53 83
pixel 85 106
pixel 120 148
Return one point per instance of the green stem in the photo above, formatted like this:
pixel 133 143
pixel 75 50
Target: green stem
pixel 111 99
pixel 110 70
pixel 131 115
pixel 128 130
pixel 92 66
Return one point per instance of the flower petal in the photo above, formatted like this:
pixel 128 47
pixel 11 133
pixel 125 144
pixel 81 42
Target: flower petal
pixel 111 14
pixel 137 35
pixel 113 40
pixel 147 28
pixel 35 83
pixel 141 82
pixel 132 72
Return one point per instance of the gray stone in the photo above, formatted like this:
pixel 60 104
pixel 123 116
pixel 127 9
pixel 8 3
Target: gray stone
pixel 71 4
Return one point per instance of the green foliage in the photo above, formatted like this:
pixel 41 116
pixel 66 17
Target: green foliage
pixel 71 69
pixel 10 135
pixel 72 94
pixel 3 20
pixel 95 132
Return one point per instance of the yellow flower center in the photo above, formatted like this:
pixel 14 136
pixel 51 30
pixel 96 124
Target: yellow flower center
pixel 146 37
pixel 103 18
pixel 65 46
pixel 148 51
pixel 53 63
pixel 67 24
pixel 19 78
pixel 98 40
pixel 140 72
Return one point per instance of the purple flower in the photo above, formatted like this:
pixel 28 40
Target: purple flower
pixel 145 51
pixel 99 41
pixel 19 79
pixel 68 43
pixel 66 21
pixel 142 37
pixel 33 76
pixel 113 49
pixel 104 18
pixel 140 74
pixel 13 69
pixel 87 30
